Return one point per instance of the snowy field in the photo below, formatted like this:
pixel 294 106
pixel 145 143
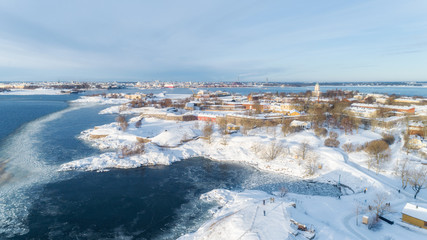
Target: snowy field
pixel 241 215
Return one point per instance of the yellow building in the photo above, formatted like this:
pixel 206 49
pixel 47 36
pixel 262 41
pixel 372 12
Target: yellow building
pixel 134 96
pixel 286 109
pixel 294 113
pixel 415 215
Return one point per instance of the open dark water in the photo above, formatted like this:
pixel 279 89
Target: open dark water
pixel 17 110
pixel 36 202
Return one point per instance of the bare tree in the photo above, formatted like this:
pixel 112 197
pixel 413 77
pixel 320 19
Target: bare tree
pixel 317 114
pixel 248 124
pixel 257 107
pixel 137 148
pixel 224 139
pixel 379 207
pixel 337 113
pixel 311 164
pixel 207 132
pixel 303 152
pixel 348 147
pixel 331 142
pixel 185 138
pixel 347 124
pixel 320 132
pixel 333 135
pixel 121 120
pixel 274 150
pixel 222 124
pixel 271 126
pixel 356 121
pixel 286 127
pixel 378 152
pixel 123 108
pixel 257 148
pixel 138 123
pixel 196 124
pixel 388 138
pixel 283 191
pixel 418 179
pixel 166 103
pixel 402 170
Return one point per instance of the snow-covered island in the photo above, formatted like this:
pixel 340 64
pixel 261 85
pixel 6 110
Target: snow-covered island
pixel 374 153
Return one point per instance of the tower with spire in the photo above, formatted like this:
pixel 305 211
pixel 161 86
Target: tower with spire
pixel 317 92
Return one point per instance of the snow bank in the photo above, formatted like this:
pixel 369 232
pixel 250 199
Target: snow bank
pixel 241 216
pixel 112 160
pixel 174 136
pixel 122 110
pixel 100 100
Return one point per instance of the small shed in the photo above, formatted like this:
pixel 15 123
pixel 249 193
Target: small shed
pixel 415 214
pixel 365 220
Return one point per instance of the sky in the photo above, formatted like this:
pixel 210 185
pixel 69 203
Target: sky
pixel 300 40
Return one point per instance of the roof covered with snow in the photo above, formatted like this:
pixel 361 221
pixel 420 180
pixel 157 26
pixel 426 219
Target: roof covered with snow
pixel 415 211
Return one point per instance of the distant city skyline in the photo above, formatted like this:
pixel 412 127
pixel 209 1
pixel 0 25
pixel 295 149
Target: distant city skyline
pixel 284 41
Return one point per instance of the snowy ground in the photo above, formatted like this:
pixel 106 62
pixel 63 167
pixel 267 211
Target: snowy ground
pixel 100 100
pixel 241 215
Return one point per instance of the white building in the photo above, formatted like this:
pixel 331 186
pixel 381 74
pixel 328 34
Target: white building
pixel 317 92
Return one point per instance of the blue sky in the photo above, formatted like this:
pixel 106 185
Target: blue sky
pixel 352 40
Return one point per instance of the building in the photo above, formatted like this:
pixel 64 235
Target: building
pixel 207 117
pixel 402 109
pixel 194 106
pixel 262 107
pixel 317 92
pixel 362 112
pixel 415 215
pixel 285 108
pixel 416 128
pixel 408 100
pixel 300 124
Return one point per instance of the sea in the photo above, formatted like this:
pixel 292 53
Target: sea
pixel 410 91
pixel 39 133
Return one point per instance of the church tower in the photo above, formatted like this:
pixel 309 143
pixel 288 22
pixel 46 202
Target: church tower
pixel 317 92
